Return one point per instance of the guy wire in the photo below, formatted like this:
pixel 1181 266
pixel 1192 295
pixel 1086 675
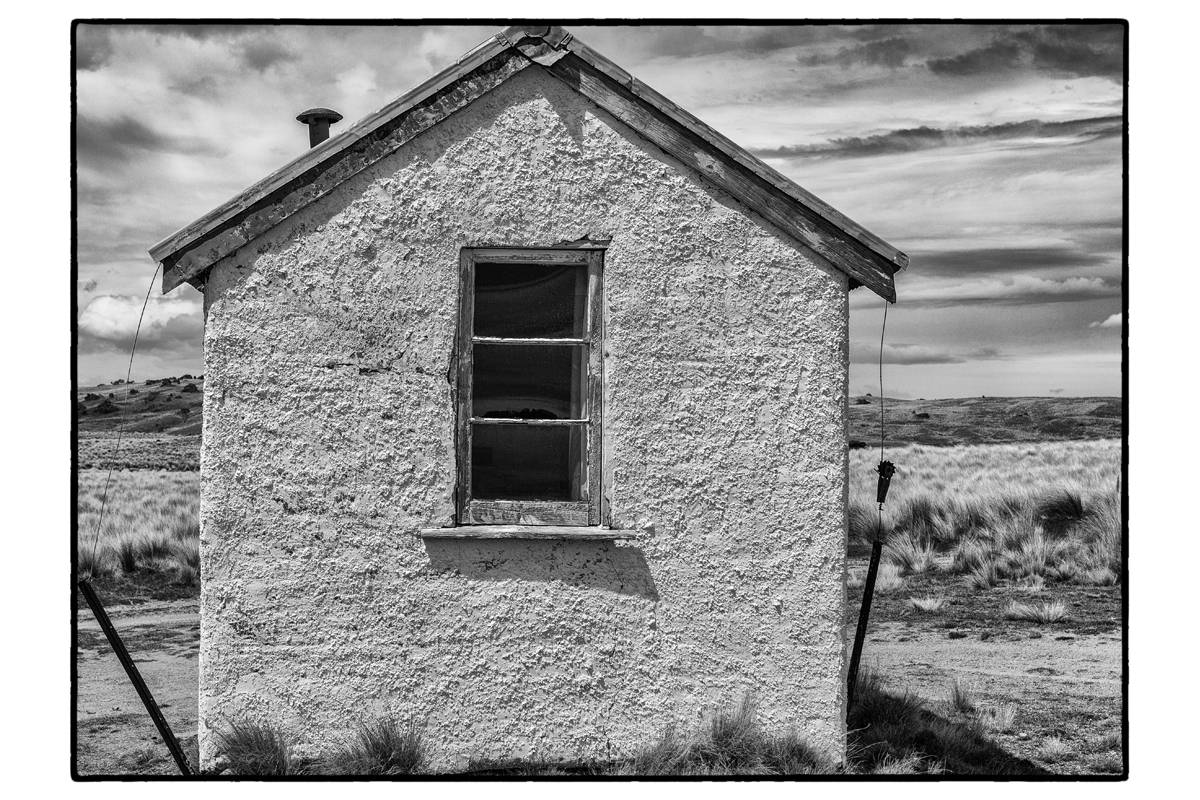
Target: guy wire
pixel 124 411
pixel 881 332
pixel 882 329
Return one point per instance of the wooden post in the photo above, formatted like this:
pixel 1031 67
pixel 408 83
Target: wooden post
pixel 135 677
pixel 864 613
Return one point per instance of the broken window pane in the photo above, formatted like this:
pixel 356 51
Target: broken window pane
pixel 529 381
pixel 527 462
pixel 530 300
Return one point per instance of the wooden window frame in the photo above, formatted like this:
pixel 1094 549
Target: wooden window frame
pixel 590 510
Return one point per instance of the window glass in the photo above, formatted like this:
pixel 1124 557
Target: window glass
pixel 524 381
pixel 530 300
pixel 526 462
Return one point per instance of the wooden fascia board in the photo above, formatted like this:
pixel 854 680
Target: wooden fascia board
pixel 176 247
pixel 186 254
pixel 847 245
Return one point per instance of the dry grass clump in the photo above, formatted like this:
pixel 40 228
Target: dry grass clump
pixel 1054 749
pixel 1032 584
pixel 382 747
pixel 888 578
pixel 927 605
pixel 961 699
pixel 1059 510
pixel 863 528
pixel 1105 743
pixel 255 748
pixel 984 577
pixel 970 555
pixel 997 718
pixel 911 554
pixel 1042 613
pixel 733 743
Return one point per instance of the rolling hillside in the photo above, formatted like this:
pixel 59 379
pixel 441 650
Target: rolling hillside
pixel 162 422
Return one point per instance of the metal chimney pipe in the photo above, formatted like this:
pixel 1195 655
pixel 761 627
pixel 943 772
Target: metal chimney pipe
pixel 317 120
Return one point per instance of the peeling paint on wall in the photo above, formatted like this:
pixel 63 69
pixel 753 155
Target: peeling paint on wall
pixel 328 442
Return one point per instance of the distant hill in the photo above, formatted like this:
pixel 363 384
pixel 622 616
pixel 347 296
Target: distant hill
pixel 168 405
pixel 162 420
pixel 159 421
pixel 984 420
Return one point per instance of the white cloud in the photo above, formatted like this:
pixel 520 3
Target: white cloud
pixel 1020 288
pixel 114 319
pixel 1115 321
pixel 358 81
pixel 868 352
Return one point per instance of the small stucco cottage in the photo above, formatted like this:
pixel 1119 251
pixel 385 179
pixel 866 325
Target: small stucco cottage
pixel 525 419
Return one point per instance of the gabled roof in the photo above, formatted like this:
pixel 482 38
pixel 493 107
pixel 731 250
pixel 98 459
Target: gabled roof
pixel 187 254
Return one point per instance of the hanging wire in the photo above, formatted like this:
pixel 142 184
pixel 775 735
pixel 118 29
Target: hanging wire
pixel 124 412
pixel 882 331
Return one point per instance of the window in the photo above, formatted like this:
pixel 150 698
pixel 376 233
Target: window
pixel 529 387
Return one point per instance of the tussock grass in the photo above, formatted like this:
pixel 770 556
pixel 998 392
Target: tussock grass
pixel 961 699
pixel 999 512
pixel 1032 584
pixel 927 605
pixel 253 748
pixel 970 555
pixel 997 718
pixel 1101 576
pixel 911 554
pixel 1110 763
pixel 151 524
pixel 733 743
pixel 1054 749
pixel 95 564
pixel 1107 742
pixel 984 577
pixel 891 733
pixel 1041 613
pixel 1059 510
pixel 382 747
pixel 888 578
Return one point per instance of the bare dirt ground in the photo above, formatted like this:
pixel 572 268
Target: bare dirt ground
pixel 115 734
pixel 1064 688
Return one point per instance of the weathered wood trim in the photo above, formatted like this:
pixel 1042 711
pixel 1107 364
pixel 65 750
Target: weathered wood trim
pixel 314 156
pixel 514 421
pixel 594 409
pixel 197 247
pixel 511 255
pixel 748 180
pixel 527 532
pixel 586 511
pixel 464 359
pixel 509 340
pixel 735 152
pixel 527 512
pixel 867 259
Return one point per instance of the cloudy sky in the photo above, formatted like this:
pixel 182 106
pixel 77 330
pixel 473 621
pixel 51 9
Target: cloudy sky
pixel 991 154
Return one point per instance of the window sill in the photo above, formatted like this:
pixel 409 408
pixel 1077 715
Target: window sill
pixel 526 532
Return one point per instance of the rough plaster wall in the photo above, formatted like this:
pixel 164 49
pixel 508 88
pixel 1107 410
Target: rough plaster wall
pixel 328 441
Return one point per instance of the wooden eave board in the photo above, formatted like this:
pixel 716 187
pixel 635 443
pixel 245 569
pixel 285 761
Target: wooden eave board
pixel 313 161
pixel 738 154
pixel 868 260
